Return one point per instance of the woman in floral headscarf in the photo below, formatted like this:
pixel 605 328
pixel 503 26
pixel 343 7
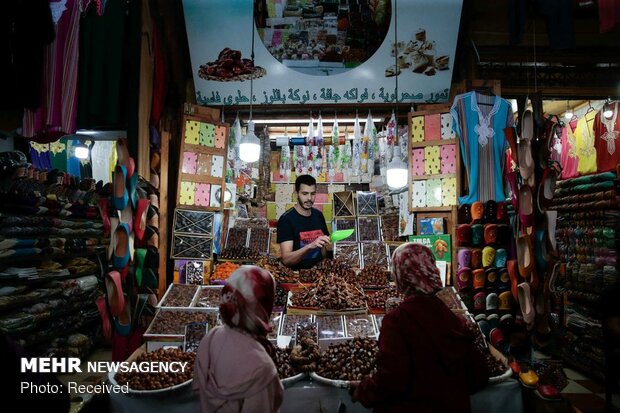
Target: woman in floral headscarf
pixel 427 360
pixel 234 371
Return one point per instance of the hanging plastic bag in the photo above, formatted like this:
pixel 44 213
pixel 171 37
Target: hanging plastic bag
pixel 391 137
pixel 370 137
pixel 356 149
pixel 331 162
pixel 285 163
pixel 346 158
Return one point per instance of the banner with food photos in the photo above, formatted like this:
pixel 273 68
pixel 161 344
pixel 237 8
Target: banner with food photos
pixel 308 51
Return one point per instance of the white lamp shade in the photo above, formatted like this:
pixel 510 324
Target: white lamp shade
pixel 81 151
pixel 608 113
pixel 397 174
pixel 568 115
pixel 249 147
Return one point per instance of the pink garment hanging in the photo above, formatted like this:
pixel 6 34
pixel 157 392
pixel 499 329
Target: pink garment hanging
pixel 57 114
pixel 569 158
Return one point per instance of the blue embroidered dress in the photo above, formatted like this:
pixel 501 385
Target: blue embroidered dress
pixel 479 122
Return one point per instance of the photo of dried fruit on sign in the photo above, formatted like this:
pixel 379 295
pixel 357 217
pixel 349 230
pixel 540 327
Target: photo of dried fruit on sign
pixel 322 38
pixel 230 67
pixel 417 55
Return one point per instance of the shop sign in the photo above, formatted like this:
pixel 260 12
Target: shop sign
pixel 309 52
pixel 440 245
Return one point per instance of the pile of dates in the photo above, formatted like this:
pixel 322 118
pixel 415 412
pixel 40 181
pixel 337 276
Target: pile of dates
pixel 239 253
pixel 330 293
pixel 281 297
pixel 337 268
pixel 281 358
pixel 228 64
pixel 373 275
pixel 160 380
pixel 305 356
pixel 349 360
pixel 280 272
pixel 173 322
pixel 379 298
pixel 180 295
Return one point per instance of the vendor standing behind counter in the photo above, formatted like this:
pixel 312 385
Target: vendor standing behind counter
pixel 302 231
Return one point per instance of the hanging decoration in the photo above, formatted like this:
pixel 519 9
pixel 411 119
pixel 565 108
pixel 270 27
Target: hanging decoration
pixel 370 145
pixel 391 136
pixel 345 157
pixel 356 154
pixel 300 160
pixel 285 163
pixel 318 158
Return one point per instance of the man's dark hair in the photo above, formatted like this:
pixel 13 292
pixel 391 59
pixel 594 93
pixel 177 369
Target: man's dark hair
pixel 304 179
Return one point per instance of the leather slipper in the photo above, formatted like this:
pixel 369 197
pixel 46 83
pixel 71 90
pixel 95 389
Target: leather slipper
pixel 114 292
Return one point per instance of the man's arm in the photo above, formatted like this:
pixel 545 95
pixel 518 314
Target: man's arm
pixel 290 257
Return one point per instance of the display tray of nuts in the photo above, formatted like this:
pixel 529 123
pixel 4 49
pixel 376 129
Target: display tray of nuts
pixel 372 276
pixel 330 296
pixel 375 253
pixel 286 372
pixel 360 326
pixel 179 295
pixel 171 321
pixel 208 296
pixel 347 361
pixel 377 299
pixel 161 383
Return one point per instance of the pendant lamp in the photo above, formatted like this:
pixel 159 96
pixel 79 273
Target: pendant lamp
pixel 397 173
pixel 249 146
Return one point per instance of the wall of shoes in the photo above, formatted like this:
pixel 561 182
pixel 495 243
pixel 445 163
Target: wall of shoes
pixel 52 251
pixel 587 231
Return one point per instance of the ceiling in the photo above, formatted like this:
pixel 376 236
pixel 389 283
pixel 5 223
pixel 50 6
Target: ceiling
pixel 589 70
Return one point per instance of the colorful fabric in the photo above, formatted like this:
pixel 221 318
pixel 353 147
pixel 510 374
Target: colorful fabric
pixel 479 123
pixel 413 268
pixel 569 158
pixel 606 143
pixel 584 136
pixel 57 114
pixel 247 300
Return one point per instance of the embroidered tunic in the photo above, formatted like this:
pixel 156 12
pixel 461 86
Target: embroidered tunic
pixel 479 123
pixel 606 132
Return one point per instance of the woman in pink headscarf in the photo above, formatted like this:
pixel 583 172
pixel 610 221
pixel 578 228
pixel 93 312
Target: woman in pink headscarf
pixel 234 371
pixel 427 360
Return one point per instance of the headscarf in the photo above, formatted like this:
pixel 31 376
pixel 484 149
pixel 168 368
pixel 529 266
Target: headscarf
pixel 247 300
pixel 413 268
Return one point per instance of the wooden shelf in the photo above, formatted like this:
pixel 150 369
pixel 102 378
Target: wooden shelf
pixel 435 142
pixel 432 209
pixel 436 176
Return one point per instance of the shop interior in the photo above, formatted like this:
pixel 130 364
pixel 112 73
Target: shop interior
pixel 121 222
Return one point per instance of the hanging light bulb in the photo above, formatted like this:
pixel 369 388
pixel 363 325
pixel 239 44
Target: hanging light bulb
pixel 397 173
pixel 608 112
pixel 81 150
pixel 568 115
pixel 249 147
